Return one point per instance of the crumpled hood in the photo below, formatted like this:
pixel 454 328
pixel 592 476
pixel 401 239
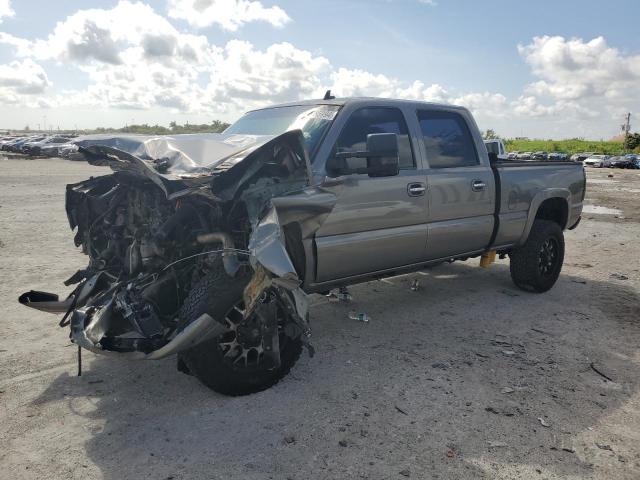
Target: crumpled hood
pixel 174 157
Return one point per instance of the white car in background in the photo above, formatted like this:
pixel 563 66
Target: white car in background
pixel 496 145
pixel 598 161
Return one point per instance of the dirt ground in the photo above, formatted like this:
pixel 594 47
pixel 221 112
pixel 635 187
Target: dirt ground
pixel 467 377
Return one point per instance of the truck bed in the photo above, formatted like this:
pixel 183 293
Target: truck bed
pixel 521 187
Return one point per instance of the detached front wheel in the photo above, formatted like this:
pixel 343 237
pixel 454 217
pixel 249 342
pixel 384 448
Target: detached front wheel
pixel 537 264
pixel 241 360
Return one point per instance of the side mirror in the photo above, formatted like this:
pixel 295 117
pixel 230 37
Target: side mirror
pixel 381 155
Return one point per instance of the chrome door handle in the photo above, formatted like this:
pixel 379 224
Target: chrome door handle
pixel 478 185
pixel 416 189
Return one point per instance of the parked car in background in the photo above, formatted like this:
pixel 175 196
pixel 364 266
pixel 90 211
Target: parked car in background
pixel 598 161
pixel 524 156
pixel 512 155
pixel 557 157
pixel 35 148
pixel 627 161
pixel 496 146
pixel 539 155
pixel 579 157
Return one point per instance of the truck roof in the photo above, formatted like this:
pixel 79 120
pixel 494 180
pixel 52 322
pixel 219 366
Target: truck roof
pixel 368 101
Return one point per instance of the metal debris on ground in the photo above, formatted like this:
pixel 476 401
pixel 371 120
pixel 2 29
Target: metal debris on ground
pixel 619 276
pixel 602 446
pixel 415 285
pixel 595 369
pixel 340 295
pixel 359 316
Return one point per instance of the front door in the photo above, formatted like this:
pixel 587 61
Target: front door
pixel 378 222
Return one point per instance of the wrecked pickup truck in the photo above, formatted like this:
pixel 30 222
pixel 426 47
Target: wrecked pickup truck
pixel 208 245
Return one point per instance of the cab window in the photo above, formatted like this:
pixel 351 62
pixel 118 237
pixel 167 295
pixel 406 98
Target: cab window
pixel 447 139
pixel 370 120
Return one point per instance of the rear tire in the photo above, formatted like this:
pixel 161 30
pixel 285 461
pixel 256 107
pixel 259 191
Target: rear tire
pixel 536 266
pixel 211 361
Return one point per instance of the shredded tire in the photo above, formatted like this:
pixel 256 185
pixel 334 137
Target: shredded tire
pixel 525 261
pixel 216 294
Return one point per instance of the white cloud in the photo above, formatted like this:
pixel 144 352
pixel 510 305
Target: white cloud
pixel 578 78
pixel 5 9
pixel 26 77
pixel 227 14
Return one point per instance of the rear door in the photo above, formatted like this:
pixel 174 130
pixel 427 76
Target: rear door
pixel 378 222
pixel 461 187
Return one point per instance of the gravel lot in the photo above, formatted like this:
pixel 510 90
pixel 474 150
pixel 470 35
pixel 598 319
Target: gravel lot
pixel 466 378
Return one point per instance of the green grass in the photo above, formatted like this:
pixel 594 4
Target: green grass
pixel 566 146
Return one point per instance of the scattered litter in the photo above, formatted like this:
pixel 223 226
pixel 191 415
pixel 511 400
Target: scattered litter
pixel 509 293
pixel 340 295
pixel 507 390
pixel 543 422
pixel 401 410
pixel 569 449
pixel 540 331
pixel 359 316
pixel 603 446
pixel 497 444
pixel 415 285
pixel 508 352
pixel 405 473
pixel 451 454
pixel 583 282
pixel 581 265
pixel 619 276
pixel 507 412
pixel 610 176
pixel 593 367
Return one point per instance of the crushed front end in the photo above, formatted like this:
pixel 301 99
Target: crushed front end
pixel 165 221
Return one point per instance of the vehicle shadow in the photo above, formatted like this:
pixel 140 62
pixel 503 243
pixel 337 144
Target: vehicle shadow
pixel 467 377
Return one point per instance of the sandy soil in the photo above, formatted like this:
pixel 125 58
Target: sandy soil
pixel 466 378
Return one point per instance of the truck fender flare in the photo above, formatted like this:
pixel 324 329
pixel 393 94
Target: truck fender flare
pixel 540 197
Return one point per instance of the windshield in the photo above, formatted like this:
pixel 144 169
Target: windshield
pixel 313 120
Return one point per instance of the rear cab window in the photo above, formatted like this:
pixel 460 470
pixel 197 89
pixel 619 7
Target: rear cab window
pixel 368 120
pixel 447 139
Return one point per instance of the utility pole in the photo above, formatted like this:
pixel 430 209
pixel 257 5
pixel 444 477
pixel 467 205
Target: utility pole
pixel 626 128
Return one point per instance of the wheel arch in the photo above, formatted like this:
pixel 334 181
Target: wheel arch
pixel 550 204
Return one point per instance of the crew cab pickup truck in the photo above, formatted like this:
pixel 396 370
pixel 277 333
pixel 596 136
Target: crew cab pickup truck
pixel 207 246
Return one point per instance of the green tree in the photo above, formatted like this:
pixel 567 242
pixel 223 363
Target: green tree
pixel 632 142
pixel 490 134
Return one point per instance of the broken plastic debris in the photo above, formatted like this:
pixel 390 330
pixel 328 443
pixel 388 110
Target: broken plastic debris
pixel 497 444
pixel 359 316
pixel 543 422
pixel 340 295
pixel 507 390
pixel 415 285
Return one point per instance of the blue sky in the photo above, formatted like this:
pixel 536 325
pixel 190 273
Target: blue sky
pixel 539 69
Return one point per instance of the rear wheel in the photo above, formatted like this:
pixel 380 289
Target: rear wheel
pixel 537 264
pixel 239 361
